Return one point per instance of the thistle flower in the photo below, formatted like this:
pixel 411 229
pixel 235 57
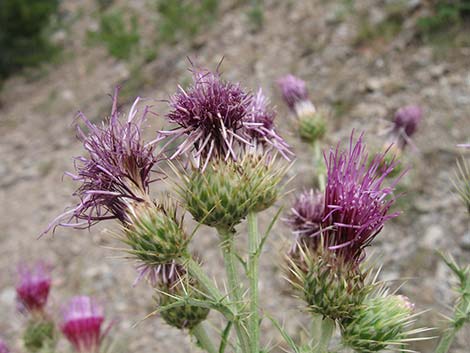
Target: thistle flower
pixel 3 347
pixel 210 116
pixel 405 124
pixel 382 322
pixel 259 126
pixel 33 286
pixel 294 90
pixel 305 218
pixel 357 203
pixel 82 320
pixel 116 171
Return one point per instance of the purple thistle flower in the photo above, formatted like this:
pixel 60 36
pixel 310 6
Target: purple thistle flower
pixel 33 287
pixel 3 347
pixel 82 320
pixel 305 217
pixel 259 124
pixel 406 122
pixel 115 172
pixel 210 115
pixel 357 204
pixel 293 89
pixel 464 145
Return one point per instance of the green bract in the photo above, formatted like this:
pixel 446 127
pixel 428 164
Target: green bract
pixel 39 334
pixel 311 127
pixel 155 233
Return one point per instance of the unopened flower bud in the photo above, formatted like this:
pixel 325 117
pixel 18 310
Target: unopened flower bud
pixel 185 316
pixel 39 334
pixel 381 322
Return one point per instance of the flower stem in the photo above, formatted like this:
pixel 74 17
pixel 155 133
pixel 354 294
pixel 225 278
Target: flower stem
pixel 317 155
pixel 203 340
pixel 205 281
pixel 227 246
pixel 323 328
pixel 446 340
pixel 253 273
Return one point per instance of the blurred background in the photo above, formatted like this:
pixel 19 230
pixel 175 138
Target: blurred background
pixel 362 60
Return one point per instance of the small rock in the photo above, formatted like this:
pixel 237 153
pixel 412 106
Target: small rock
pixel 433 237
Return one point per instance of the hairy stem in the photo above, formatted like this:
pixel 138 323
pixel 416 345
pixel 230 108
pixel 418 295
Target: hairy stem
pixel 233 282
pixel 203 340
pixel 197 272
pixel 253 274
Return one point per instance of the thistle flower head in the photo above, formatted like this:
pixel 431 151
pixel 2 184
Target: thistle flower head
pixel 293 89
pixel 305 218
pixel 405 124
pixel 3 347
pixel 210 116
pixel 114 173
pixel 357 203
pixel 82 320
pixel 33 286
pixel 382 322
pixel 40 335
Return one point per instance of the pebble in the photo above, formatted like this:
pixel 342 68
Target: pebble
pixel 465 241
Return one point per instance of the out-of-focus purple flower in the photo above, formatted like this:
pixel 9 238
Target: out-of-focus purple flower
pixel 210 116
pixel 33 287
pixel 3 347
pixel 464 145
pixel 259 124
pixel 82 321
pixel 357 203
pixel 406 122
pixel 294 90
pixel 306 216
pixel 114 173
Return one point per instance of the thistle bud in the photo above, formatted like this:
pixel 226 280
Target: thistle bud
pixel 330 286
pixel 33 286
pixel 381 322
pixel 155 233
pixel 39 334
pixel 218 196
pixel 3 347
pixel 185 316
pixel 405 124
pixel 312 126
pixel 82 322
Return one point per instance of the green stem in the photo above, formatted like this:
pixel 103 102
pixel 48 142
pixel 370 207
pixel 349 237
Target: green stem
pixel 327 328
pixel 203 340
pixel 446 340
pixel 234 288
pixel 319 166
pixel 197 272
pixel 253 273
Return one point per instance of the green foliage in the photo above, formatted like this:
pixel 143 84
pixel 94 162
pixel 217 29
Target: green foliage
pixel 446 15
pixel 23 40
pixel 183 18
pixel 120 35
pixel 39 335
pixel 386 29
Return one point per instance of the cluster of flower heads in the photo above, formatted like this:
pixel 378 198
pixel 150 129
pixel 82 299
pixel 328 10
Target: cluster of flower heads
pixel 353 208
pixel 82 316
pixel 217 118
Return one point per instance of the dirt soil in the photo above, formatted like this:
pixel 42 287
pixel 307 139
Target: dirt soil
pixel 360 86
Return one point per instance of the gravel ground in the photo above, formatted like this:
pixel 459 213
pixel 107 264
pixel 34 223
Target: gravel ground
pixel 360 86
